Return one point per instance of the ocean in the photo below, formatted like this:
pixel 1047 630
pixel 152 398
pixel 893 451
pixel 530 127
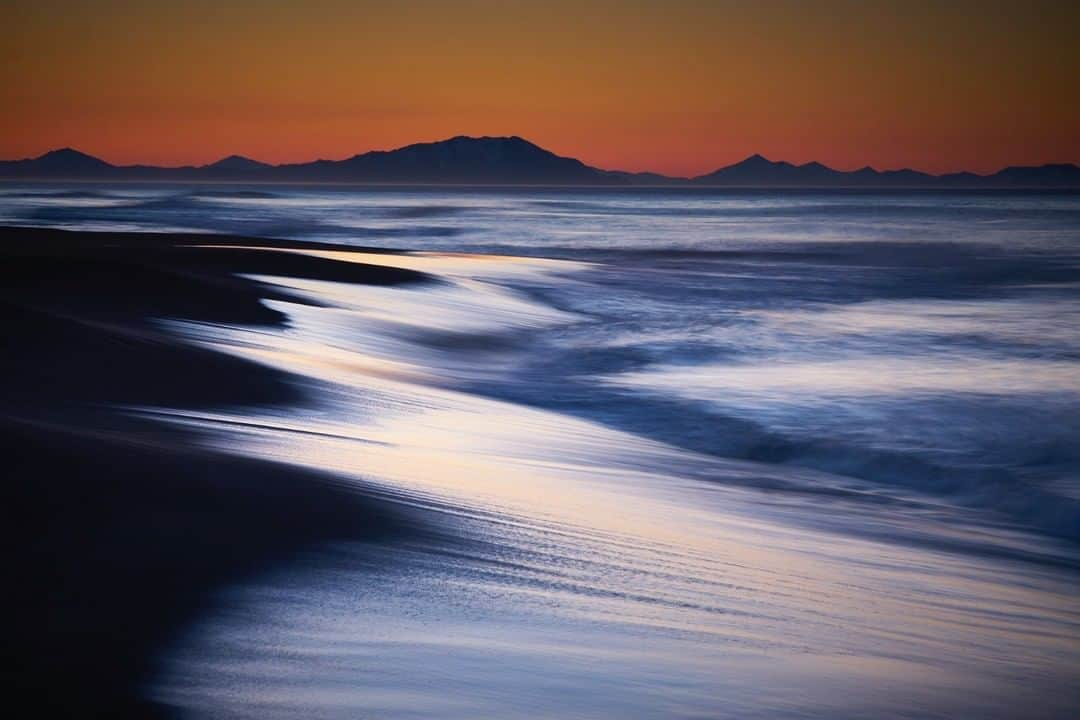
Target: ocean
pixel 681 454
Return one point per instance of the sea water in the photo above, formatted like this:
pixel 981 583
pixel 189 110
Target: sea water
pixel 684 453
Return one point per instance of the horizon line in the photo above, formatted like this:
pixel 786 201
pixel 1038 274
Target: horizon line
pixel 751 156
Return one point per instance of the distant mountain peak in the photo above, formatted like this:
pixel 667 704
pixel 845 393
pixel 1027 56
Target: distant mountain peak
pixel 69 159
pixel 484 139
pixel 236 162
pixel 479 141
pixel 61 151
pixel 759 163
pixel 457 141
pixel 462 159
pixel 67 153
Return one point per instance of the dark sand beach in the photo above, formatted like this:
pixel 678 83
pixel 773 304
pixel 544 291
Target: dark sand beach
pixel 119 529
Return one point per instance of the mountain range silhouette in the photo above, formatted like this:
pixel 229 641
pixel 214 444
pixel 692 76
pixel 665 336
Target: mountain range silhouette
pixel 516 161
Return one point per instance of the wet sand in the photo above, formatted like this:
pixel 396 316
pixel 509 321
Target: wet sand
pixel 120 529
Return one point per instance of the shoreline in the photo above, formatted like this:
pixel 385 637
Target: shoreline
pixel 124 528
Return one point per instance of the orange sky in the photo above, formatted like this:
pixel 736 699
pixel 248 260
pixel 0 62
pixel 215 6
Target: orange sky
pixel 676 87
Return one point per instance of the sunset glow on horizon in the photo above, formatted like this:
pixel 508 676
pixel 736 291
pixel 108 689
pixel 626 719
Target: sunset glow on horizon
pixel 677 87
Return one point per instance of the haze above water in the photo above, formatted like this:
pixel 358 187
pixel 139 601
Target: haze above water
pixel 747 455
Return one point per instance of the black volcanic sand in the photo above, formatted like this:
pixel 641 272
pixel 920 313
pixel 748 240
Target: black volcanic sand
pixel 120 529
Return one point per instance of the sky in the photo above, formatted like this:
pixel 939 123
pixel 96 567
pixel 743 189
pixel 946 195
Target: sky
pixel 679 86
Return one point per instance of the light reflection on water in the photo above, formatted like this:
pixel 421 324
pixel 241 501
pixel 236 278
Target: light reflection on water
pixel 589 572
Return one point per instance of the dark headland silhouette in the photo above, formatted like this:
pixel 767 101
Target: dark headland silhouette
pixel 516 161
